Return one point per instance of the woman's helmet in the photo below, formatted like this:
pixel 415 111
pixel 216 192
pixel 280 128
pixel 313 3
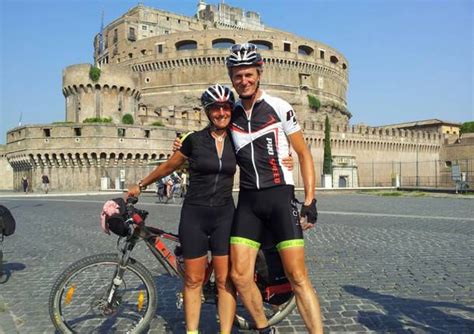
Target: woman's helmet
pixel 217 94
pixel 244 55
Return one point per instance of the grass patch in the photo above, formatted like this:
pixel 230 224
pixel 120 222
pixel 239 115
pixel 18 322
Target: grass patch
pixel 391 194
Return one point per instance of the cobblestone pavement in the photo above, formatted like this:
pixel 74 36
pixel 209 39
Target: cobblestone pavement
pixel 380 264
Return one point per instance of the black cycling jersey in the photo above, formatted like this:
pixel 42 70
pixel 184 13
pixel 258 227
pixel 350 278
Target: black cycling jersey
pixel 261 142
pixel 210 178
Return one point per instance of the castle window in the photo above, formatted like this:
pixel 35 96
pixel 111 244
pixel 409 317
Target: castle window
pixel 286 46
pixel 115 35
pixel 344 66
pixel 144 27
pixel 47 132
pixel 131 34
pixel 121 132
pixel 222 43
pixel 167 18
pixel 262 45
pixel 147 133
pixel 321 53
pixel 159 48
pixel 305 50
pixel 77 132
pixel 334 59
pixel 143 51
pixel 130 55
pixel 186 45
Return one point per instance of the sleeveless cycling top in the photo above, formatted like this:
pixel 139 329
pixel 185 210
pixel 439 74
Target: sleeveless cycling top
pixel 210 178
pixel 261 142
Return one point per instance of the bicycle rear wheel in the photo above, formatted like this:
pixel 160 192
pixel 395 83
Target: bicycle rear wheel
pixel 274 313
pixel 78 299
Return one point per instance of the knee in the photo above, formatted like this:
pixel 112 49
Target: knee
pixel 298 277
pixel 193 281
pixel 241 278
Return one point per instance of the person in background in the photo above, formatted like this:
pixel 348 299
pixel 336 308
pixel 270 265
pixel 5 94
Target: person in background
pixel 45 183
pixel 25 184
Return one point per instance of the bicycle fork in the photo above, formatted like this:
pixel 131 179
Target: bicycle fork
pixel 118 277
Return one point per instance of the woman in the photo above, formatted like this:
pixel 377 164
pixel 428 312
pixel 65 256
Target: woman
pixel 208 208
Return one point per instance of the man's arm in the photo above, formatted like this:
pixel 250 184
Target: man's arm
pixel 306 165
pixel 309 212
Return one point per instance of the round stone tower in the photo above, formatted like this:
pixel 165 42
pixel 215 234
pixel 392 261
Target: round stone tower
pixel 113 95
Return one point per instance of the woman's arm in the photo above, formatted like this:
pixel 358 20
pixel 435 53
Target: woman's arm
pixel 166 168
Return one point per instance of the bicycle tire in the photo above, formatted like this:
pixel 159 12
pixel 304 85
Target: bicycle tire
pixel 90 292
pixel 274 317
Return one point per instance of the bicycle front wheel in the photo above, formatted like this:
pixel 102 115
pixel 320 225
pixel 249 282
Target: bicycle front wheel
pixel 274 313
pixel 81 300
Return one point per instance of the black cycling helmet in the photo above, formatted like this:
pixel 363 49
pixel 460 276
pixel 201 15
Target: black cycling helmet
pixel 217 94
pixel 244 55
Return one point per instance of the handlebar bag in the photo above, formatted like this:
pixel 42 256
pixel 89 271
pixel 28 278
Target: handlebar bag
pixel 7 222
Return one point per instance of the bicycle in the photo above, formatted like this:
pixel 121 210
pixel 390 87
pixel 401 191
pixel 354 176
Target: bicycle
pixel 110 291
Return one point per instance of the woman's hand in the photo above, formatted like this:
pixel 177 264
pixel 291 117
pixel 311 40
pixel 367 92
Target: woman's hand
pixel 288 162
pixel 177 144
pixel 133 191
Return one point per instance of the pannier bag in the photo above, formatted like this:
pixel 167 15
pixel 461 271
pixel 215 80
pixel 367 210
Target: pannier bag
pixel 270 277
pixel 113 217
pixel 7 222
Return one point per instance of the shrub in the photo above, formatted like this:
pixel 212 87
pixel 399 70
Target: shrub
pixel 127 119
pixel 467 127
pixel 94 73
pixel 98 120
pixel 314 103
pixel 157 123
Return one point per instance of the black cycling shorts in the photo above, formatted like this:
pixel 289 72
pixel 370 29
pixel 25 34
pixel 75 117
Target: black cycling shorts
pixel 267 217
pixel 203 228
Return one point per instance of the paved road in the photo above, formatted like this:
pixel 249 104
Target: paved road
pixel 380 264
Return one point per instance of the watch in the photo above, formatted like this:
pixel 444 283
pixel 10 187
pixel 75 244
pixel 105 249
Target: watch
pixel 141 186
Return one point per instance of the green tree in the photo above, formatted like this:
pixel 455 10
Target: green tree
pixel 94 73
pixel 313 102
pixel 157 123
pixel 327 163
pixel 127 119
pixel 467 127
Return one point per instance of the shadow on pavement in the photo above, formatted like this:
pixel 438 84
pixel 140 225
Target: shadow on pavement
pixel 6 270
pixel 402 314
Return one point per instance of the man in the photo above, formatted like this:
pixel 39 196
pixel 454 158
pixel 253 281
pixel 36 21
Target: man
pixel 262 129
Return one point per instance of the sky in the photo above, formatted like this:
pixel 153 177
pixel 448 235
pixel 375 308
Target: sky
pixel 408 59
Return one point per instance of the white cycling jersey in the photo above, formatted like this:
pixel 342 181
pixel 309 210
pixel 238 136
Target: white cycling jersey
pixel 260 141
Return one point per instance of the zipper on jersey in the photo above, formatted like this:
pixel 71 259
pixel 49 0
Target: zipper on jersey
pixel 218 173
pixel 252 151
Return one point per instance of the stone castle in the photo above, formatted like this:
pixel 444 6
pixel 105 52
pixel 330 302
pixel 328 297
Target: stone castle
pixel 154 65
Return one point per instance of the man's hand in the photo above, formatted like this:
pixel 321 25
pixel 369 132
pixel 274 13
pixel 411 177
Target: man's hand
pixel 309 215
pixel 177 144
pixel 288 162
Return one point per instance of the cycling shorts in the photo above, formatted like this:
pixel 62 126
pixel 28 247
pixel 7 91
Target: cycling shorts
pixel 267 217
pixel 203 228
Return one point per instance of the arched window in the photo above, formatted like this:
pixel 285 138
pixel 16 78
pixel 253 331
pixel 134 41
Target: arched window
pixel 305 50
pixel 222 43
pixel 186 45
pixel 262 45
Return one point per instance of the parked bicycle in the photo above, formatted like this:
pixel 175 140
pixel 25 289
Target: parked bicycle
pixel 114 292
